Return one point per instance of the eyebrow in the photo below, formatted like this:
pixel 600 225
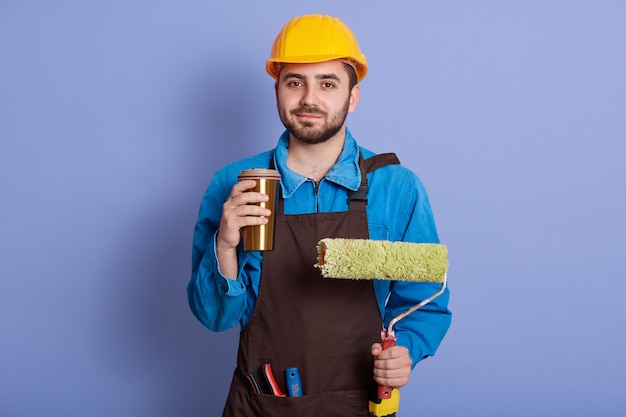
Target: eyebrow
pixel 330 76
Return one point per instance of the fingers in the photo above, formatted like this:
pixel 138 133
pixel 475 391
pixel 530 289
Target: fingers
pixel 392 366
pixel 241 209
pixel 245 202
pixel 242 186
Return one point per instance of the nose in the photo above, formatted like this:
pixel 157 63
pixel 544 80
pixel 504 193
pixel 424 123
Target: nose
pixel 309 96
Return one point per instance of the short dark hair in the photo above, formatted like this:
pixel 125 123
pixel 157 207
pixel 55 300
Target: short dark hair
pixel 352 78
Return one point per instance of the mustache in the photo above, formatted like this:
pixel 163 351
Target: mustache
pixel 307 109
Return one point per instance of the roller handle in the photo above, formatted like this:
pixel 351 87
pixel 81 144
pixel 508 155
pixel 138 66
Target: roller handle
pixel 384 392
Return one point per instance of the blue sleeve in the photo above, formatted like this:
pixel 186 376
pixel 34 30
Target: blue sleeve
pixel 218 302
pixel 422 331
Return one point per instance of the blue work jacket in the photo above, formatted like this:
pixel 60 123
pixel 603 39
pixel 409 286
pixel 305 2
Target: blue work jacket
pixel 398 209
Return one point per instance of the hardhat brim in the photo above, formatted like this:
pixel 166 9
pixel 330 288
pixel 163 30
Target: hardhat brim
pixel 273 66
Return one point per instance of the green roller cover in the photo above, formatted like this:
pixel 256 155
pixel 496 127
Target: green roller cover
pixel 382 259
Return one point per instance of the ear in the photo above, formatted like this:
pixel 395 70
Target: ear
pixel 276 91
pixel 354 98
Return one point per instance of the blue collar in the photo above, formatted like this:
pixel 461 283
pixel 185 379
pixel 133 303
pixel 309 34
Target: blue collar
pixel 345 172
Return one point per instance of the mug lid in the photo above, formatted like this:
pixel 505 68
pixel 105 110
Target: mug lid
pixel 262 173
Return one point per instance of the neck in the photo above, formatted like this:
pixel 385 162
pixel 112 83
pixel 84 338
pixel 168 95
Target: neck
pixel 314 160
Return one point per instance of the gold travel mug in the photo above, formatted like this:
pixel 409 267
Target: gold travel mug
pixel 261 237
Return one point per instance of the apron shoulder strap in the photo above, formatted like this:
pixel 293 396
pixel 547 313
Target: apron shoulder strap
pixel 368 165
pixel 377 161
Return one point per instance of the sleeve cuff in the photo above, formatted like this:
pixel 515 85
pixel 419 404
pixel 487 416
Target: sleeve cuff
pixel 227 286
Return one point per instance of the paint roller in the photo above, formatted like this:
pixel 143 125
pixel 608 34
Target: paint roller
pixel 394 261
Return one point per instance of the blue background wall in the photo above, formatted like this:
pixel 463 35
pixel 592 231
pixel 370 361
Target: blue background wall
pixel 114 116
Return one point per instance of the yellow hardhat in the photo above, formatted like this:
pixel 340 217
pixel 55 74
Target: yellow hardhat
pixel 315 38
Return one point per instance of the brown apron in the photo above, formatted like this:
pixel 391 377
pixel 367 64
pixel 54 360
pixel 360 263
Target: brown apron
pixel 324 327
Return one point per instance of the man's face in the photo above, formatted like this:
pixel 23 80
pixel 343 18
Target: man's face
pixel 314 99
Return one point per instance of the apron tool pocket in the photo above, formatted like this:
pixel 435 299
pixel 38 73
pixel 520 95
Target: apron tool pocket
pixel 328 404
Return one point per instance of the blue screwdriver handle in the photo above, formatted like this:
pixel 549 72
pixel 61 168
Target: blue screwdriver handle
pixel 294 386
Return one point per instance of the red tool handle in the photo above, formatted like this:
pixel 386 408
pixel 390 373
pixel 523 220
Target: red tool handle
pixel 384 392
pixel 271 381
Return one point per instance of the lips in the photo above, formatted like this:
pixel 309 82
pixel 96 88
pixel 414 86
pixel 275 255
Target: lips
pixel 308 112
pixel 308 116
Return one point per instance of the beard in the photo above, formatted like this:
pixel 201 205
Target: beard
pixel 307 132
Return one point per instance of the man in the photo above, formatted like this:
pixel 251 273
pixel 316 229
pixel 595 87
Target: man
pixel 330 187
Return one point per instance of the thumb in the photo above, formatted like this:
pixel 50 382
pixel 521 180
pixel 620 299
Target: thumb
pixel 377 348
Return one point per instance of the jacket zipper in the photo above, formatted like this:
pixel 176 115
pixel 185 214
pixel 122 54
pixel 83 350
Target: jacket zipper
pixel 316 188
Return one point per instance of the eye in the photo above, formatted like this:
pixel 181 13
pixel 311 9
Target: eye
pixel 295 83
pixel 328 84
